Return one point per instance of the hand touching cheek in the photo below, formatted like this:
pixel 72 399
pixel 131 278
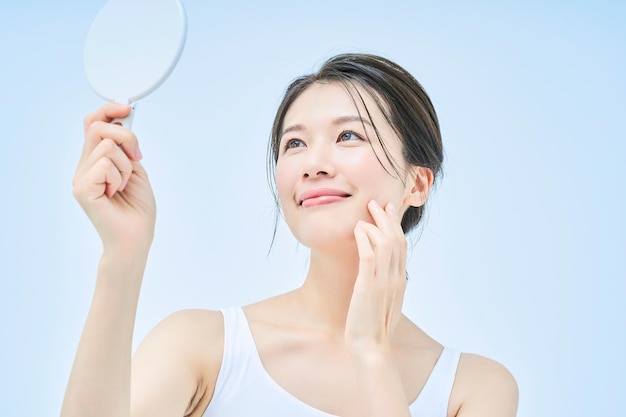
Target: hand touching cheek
pixel 376 303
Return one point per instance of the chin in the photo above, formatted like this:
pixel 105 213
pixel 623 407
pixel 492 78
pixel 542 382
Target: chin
pixel 327 237
pixel 327 228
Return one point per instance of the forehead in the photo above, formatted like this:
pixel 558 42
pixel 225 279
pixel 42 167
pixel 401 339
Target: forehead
pixel 324 101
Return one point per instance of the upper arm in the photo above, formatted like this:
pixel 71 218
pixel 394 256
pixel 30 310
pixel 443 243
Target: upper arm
pixel 484 388
pixel 174 369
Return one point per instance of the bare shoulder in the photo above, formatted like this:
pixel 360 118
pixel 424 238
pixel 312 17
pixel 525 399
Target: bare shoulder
pixel 178 363
pixel 187 323
pixel 196 334
pixel 483 387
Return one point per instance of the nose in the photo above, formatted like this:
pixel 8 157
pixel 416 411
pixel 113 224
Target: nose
pixel 318 173
pixel 318 162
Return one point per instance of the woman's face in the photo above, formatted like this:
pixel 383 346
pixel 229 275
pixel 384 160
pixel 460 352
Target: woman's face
pixel 329 165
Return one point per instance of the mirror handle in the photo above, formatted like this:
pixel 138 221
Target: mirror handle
pixel 127 121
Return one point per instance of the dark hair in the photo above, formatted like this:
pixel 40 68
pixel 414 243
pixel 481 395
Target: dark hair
pixel 405 105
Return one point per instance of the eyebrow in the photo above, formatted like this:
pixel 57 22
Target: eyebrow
pixel 337 121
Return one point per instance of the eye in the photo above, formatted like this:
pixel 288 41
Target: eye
pixel 348 136
pixel 293 143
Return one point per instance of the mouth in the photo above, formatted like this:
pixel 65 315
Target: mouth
pixel 321 196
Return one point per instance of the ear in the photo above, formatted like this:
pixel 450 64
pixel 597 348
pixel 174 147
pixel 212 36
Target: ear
pixel 419 185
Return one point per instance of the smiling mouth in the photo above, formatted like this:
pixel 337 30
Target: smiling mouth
pixel 322 200
pixel 322 197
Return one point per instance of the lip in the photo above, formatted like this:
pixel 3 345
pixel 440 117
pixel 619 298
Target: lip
pixel 321 196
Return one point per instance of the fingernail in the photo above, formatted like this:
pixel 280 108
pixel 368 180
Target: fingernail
pixel 138 154
pixel 373 203
pixel 391 208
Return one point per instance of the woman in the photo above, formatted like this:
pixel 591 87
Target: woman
pixel 355 149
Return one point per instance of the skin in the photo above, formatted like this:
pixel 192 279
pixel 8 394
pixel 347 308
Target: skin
pixel 343 328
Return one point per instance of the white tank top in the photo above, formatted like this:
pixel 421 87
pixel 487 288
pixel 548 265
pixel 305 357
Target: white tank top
pixel 245 389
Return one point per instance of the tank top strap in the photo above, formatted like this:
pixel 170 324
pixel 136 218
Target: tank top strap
pixel 435 396
pixel 239 355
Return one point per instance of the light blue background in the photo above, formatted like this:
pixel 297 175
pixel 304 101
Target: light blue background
pixel 523 255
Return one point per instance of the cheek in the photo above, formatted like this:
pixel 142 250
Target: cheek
pixel 378 182
pixel 368 170
pixel 284 179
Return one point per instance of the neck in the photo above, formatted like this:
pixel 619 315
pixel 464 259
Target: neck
pixel 326 293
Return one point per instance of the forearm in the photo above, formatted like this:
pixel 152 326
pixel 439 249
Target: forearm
pixel 99 383
pixel 380 388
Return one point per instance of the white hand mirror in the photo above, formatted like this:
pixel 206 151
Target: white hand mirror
pixel 132 47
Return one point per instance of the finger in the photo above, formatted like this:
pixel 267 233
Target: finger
pixel 110 178
pixel 106 114
pixel 106 175
pixel 367 258
pixel 125 138
pixel 109 149
pixel 102 179
pixel 389 224
pixel 399 241
pixel 382 219
pixel 395 218
pixel 381 247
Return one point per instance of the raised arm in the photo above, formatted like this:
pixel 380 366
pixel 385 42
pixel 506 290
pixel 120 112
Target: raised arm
pixel 375 309
pixel 113 189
